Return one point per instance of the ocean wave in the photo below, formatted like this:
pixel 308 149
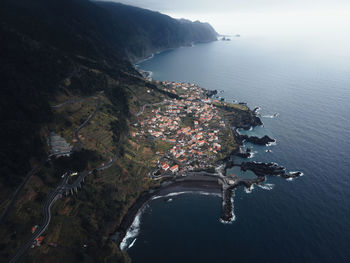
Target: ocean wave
pixel 293 172
pixel 227 222
pixel 272 143
pixel 186 192
pixel 132 243
pixel 292 178
pixel 132 232
pixel 249 190
pixel 156 197
pixel 266 186
pixel 211 194
pixel 257 110
pixel 176 193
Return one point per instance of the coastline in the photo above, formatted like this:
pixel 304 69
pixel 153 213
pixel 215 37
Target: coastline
pixel 202 183
pixel 163 190
pixel 215 179
pixel 207 181
pixel 140 60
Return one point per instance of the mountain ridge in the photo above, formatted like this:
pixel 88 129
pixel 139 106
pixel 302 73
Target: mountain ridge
pixel 155 31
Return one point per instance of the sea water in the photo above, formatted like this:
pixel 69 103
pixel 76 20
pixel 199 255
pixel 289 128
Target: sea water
pixel 304 95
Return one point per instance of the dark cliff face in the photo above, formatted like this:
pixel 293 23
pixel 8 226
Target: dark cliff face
pixel 144 32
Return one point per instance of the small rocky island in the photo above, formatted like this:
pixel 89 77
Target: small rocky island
pixel 200 136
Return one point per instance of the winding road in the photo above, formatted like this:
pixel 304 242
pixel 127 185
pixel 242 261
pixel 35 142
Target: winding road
pixel 64 188
pixel 59 191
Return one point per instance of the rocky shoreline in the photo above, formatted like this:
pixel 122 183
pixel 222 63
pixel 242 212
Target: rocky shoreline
pixel 214 179
pixel 265 140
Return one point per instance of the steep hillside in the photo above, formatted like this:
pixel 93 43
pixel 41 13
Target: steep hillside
pixel 145 32
pixel 48 41
pixel 63 61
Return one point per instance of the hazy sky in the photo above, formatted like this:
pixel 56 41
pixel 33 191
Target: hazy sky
pixel 255 16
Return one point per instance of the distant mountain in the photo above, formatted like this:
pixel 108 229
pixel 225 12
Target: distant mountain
pixel 142 32
pixel 98 28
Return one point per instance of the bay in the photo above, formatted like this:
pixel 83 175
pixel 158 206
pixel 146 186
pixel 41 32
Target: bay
pixel 304 220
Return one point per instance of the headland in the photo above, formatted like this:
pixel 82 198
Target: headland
pixel 199 134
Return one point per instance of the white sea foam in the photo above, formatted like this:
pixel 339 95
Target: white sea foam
pixel 185 192
pixel 252 154
pixel 156 197
pixel 249 190
pixel 292 172
pixel 176 193
pixel 132 243
pixel 257 110
pixel 132 232
pixel 168 195
pixel 266 186
pixel 211 194
pixel 292 178
pixel 272 143
pixel 227 222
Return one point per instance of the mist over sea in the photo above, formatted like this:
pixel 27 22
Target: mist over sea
pixel 305 220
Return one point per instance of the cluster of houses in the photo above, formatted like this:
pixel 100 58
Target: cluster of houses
pixel 184 90
pixel 195 141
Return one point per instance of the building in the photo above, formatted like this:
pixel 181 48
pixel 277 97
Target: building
pixel 39 240
pixel 165 166
pixel 174 168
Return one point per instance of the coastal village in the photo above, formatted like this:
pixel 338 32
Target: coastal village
pixel 192 125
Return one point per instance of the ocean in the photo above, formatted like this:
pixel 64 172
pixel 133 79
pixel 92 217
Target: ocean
pixel 307 88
